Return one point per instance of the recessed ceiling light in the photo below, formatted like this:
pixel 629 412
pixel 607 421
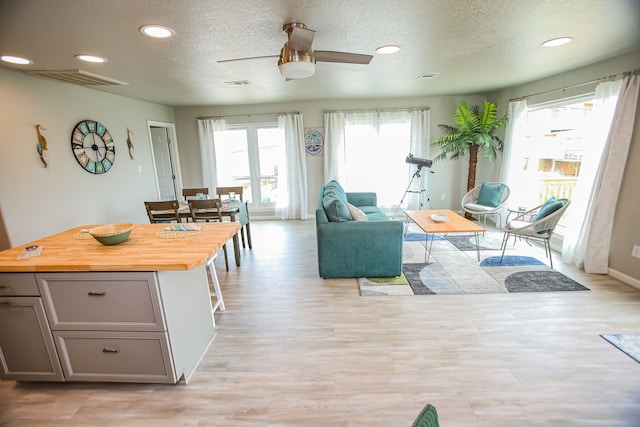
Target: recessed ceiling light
pixel 557 42
pixel 157 31
pixel 16 60
pixel 392 48
pixel 91 58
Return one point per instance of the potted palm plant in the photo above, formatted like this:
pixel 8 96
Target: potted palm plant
pixel 474 131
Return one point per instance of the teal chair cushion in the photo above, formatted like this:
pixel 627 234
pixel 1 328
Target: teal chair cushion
pixel 490 194
pixel 550 206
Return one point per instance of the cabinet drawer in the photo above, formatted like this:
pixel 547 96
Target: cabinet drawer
pixel 18 284
pixel 102 301
pixel 115 356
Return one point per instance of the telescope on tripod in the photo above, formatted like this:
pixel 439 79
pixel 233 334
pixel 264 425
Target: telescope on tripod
pixel 421 163
pixel 422 193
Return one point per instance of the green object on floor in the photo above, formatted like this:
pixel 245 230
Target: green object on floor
pixel 428 417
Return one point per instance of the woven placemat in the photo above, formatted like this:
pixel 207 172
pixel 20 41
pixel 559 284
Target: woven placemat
pixel 172 234
pixel 82 235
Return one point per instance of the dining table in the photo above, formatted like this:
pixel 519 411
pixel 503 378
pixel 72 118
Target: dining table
pixel 227 210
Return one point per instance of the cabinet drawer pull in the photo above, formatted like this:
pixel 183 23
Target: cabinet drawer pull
pixel 10 302
pixel 97 294
pixel 5 286
pixel 111 350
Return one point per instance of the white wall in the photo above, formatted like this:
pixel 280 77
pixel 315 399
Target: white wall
pixel 449 178
pixel 36 201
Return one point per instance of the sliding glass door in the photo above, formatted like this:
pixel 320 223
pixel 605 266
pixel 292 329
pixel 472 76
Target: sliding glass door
pixel 251 156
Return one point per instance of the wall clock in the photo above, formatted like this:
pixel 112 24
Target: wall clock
pixel 93 146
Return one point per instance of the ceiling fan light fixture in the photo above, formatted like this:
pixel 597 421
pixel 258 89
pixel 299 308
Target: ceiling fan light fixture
pixel 557 41
pixel 297 70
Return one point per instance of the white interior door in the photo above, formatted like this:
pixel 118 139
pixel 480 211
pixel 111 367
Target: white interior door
pixel 164 162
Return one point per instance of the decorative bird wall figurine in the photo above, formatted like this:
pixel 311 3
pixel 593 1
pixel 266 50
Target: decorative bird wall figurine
pixel 130 144
pixel 42 145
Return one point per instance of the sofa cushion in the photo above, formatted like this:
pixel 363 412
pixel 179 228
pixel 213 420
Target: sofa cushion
pixel 356 213
pixel 490 194
pixel 334 202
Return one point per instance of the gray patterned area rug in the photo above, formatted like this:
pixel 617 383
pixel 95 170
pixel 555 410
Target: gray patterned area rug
pixel 453 268
pixel 627 343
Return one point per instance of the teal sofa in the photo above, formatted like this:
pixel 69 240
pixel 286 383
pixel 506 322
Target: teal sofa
pixel 350 248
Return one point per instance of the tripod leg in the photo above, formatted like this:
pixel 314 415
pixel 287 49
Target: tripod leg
pixel 407 191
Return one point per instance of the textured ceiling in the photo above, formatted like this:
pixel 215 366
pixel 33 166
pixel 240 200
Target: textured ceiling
pixel 475 46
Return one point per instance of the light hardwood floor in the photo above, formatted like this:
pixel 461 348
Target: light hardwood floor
pixel 293 349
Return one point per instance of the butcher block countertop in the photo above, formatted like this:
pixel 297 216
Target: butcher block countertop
pixel 143 251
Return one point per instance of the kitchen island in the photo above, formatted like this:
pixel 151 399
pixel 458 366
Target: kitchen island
pixel 139 311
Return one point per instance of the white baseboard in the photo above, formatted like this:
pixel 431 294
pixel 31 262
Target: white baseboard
pixel 631 281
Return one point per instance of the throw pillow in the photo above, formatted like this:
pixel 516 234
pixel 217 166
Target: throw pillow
pixel 334 186
pixel 490 194
pixel 356 213
pixel 550 206
pixel 334 201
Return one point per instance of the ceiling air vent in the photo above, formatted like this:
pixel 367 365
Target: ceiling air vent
pixel 428 75
pixel 78 77
pixel 237 83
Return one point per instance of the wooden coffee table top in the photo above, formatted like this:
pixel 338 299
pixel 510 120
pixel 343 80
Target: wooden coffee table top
pixel 456 223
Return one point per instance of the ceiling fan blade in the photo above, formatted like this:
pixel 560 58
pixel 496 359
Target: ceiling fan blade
pixel 301 38
pixel 344 57
pixel 249 57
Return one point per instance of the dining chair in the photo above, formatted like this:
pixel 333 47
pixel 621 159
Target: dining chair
pixel 188 193
pixel 243 211
pixel 165 211
pixel 208 210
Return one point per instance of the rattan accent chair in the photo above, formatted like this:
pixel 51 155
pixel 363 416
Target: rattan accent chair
pixel 528 226
pixel 470 204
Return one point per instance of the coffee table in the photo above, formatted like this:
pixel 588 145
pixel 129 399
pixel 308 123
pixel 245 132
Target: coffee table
pixel 455 224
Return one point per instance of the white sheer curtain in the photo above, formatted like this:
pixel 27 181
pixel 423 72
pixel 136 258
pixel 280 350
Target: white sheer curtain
pixel 420 146
pixel 292 197
pixel 366 151
pixel 206 131
pixel 511 170
pixel 586 243
pixel 334 149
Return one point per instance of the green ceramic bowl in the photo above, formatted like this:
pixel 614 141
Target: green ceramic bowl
pixel 112 234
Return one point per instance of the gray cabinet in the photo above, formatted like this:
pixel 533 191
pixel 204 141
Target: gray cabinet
pixel 27 350
pixel 151 327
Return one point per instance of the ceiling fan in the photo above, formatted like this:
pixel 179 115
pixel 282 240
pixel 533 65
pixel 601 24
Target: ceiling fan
pixel 297 60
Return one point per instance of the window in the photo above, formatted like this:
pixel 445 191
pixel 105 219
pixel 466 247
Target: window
pixel 376 145
pixel 550 153
pixel 251 156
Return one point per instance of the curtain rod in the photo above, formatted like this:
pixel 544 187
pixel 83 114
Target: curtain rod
pixel 390 110
pixel 601 79
pixel 249 115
